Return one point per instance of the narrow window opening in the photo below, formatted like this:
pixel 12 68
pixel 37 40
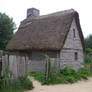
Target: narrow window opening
pixel 74 35
pixel 30 56
pixel 76 56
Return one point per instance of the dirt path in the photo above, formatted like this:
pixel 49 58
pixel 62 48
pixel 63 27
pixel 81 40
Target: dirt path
pixel 81 86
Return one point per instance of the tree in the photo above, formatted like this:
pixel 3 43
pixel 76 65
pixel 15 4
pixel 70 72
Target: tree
pixel 88 41
pixel 88 51
pixel 7 27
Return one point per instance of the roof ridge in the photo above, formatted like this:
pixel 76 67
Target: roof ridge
pixel 59 13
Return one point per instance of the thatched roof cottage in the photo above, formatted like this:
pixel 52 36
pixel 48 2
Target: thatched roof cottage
pixel 58 34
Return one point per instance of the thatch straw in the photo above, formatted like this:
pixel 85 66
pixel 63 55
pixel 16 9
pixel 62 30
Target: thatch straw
pixel 47 32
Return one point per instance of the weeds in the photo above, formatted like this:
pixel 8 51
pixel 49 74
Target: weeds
pixel 8 84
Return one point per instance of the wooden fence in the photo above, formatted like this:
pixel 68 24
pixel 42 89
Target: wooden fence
pixel 1 53
pixel 55 62
pixel 19 64
pixel 3 62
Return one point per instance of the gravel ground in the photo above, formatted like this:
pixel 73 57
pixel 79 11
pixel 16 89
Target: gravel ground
pixel 80 86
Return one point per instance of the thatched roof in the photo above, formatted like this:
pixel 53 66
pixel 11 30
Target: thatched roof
pixel 47 32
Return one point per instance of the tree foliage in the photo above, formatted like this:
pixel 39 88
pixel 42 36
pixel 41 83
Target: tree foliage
pixel 88 41
pixel 7 27
pixel 88 51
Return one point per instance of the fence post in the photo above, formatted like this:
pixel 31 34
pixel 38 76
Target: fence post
pixel 1 60
pixel 91 68
pixel 46 69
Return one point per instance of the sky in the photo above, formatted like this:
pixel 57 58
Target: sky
pixel 17 9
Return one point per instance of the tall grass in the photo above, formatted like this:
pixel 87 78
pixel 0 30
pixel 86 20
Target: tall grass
pixel 8 84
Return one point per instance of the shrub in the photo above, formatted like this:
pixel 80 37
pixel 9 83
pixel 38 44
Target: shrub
pixel 84 77
pixel 84 71
pixel 70 75
pixel 25 83
pixel 56 78
pixel 87 60
pixel 70 79
pixel 68 71
pixel 66 75
pixel 1 82
pixel 38 76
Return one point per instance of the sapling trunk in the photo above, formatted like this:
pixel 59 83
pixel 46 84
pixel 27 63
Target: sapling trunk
pixel 47 67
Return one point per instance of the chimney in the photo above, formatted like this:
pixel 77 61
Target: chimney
pixel 32 12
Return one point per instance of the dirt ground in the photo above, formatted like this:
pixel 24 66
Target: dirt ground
pixel 80 86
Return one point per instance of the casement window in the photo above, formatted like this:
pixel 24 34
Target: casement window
pixel 74 35
pixel 76 56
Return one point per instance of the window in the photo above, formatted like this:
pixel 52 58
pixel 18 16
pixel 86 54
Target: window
pixel 74 35
pixel 30 56
pixel 76 56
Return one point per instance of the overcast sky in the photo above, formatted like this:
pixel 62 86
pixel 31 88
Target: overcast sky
pixel 17 10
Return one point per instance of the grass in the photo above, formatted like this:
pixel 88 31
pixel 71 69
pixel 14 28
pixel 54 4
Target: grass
pixel 10 89
pixel 19 85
